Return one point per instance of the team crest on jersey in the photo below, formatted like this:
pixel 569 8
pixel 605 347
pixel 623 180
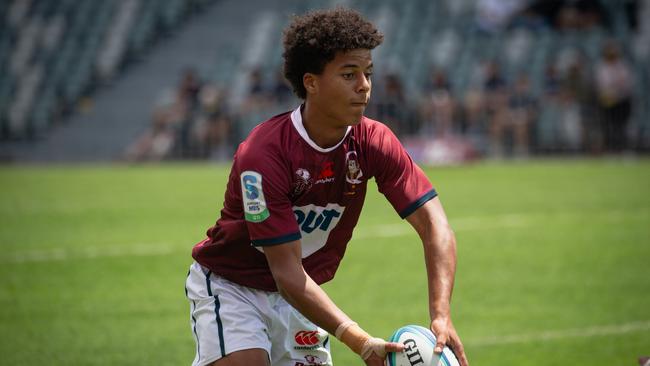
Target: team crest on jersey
pixel 303 181
pixel 253 197
pixel 354 173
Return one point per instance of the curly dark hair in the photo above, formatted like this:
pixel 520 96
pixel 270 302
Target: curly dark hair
pixel 312 40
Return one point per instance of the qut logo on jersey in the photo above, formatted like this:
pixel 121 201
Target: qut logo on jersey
pixel 313 220
pixel 316 223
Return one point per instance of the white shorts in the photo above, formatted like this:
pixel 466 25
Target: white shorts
pixel 226 317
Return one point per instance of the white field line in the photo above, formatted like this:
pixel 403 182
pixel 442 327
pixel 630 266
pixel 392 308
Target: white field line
pixel 398 229
pixel 459 225
pixel 550 335
pixel 504 221
pixel 61 254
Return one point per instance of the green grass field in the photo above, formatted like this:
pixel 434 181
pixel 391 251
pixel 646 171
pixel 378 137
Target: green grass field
pixel 553 262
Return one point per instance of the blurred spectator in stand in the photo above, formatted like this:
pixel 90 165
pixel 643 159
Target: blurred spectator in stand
pixel 569 124
pixel 529 20
pixel 256 80
pixel 494 15
pixel 256 104
pixel 211 133
pixel 258 95
pixel 281 91
pixel 614 91
pixel 522 111
pixel 569 15
pixel 563 123
pixel 547 131
pixel 437 107
pixel 389 103
pixel 188 90
pixel 552 79
pixel 568 18
pixel 496 106
pixel 171 122
pixel 578 85
pixel 189 87
pixel 168 117
pixel 474 118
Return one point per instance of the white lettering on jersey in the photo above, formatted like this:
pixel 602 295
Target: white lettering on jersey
pixel 315 223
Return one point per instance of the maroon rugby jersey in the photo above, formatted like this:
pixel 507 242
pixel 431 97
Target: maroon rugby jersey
pixel 283 187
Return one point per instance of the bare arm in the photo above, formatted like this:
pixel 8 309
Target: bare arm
pixel 439 241
pixel 295 285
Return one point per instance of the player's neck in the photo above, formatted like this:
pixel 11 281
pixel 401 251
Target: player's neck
pixel 321 128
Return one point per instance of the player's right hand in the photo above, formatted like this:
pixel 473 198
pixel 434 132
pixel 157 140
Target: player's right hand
pixel 375 349
pixel 372 350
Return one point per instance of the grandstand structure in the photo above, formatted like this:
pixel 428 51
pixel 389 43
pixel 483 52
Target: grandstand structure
pixel 56 57
pixel 53 53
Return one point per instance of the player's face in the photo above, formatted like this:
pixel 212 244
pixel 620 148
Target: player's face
pixel 342 90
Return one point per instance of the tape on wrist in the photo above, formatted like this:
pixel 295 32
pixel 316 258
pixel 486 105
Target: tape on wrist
pixel 372 346
pixel 342 328
pixel 352 336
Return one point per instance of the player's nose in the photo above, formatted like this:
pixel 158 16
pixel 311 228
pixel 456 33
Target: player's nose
pixel 364 84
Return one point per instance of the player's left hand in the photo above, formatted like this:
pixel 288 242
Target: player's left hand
pixel 446 334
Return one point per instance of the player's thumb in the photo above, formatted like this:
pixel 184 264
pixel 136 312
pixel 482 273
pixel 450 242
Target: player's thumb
pixel 440 344
pixel 393 347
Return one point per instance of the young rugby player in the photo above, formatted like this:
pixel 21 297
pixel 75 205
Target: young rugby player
pixel 294 196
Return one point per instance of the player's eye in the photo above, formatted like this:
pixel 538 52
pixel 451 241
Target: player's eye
pixel 368 75
pixel 348 75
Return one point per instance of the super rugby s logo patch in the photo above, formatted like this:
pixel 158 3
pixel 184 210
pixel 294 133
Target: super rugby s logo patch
pixel 253 197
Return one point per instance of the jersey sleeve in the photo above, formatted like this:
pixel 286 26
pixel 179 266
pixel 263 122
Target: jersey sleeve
pixel 398 177
pixel 264 187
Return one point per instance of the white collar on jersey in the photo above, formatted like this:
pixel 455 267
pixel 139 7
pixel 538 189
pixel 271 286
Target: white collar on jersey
pixel 296 118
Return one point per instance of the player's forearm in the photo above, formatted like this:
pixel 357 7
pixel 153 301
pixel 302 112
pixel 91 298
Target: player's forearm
pixel 440 258
pixel 295 285
pixel 439 242
pixel 309 299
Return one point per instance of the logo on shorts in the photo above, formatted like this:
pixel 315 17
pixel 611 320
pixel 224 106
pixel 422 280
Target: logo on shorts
pixel 253 197
pixel 307 338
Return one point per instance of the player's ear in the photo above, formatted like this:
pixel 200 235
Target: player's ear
pixel 310 81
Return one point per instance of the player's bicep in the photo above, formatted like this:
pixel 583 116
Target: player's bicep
pixel 398 177
pixel 430 217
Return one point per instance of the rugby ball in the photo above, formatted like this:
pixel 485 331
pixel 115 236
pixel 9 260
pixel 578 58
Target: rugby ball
pixel 419 343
